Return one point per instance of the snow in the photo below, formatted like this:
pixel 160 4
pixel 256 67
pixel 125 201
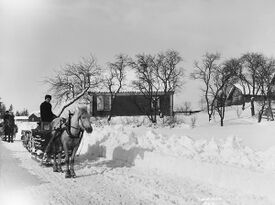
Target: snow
pixel 179 163
pixel 21 118
pixel 24 126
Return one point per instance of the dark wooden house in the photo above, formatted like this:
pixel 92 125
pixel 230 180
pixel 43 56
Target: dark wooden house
pixel 131 104
pixel 34 117
pixel 236 96
pixel 240 94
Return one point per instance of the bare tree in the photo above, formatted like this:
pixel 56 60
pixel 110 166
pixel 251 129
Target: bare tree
pixel 217 79
pixel 147 83
pixel 264 79
pixel 2 109
pixel 252 63
pixel 74 81
pixel 116 77
pixel 167 70
pixel 224 78
pixel 160 73
pixel 204 72
pixel 24 112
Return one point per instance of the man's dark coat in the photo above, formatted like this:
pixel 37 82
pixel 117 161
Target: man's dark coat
pixel 46 112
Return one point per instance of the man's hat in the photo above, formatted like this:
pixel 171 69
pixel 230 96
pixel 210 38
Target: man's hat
pixel 48 96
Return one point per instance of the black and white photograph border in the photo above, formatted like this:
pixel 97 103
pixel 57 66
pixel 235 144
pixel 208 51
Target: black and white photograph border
pixel 137 102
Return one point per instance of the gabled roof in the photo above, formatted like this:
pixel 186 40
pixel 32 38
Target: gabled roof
pixel 245 89
pixel 36 113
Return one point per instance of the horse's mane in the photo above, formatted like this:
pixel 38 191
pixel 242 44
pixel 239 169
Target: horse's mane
pixel 81 110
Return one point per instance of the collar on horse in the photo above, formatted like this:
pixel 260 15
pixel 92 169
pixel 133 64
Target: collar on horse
pixel 69 126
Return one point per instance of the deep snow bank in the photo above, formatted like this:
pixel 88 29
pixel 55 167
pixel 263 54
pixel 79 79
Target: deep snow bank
pixel 126 143
pixel 117 142
pixel 225 163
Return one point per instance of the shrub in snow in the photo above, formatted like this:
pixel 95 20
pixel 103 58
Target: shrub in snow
pixel 193 121
pixel 174 121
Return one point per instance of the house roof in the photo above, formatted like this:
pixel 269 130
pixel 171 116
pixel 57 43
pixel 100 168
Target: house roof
pixel 245 89
pixel 21 118
pixel 129 93
pixel 36 113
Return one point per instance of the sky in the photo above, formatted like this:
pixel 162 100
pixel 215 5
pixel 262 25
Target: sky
pixel 38 37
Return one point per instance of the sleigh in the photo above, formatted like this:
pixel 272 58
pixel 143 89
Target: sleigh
pixel 39 140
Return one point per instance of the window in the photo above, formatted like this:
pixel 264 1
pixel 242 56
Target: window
pixel 103 103
pixel 155 103
pixel 100 103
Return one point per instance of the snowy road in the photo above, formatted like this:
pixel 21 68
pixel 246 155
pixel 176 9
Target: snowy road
pixel 101 181
pixel 13 176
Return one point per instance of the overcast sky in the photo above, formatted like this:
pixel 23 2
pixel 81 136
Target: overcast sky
pixel 39 36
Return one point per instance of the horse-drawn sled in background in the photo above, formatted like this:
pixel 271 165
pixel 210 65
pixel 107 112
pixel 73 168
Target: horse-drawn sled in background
pixel 8 128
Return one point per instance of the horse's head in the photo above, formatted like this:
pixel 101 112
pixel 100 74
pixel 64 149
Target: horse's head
pixel 84 118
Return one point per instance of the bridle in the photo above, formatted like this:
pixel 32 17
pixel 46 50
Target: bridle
pixel 69 126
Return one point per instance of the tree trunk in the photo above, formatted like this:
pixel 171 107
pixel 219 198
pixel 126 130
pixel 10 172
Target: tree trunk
pixel 243 106
pixel 260 116
pixel 112 106
pixel 271 117
pixel 252 106
pixel 261 112
pixel 221 122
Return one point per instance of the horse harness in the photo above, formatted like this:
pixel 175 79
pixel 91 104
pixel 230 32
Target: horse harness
pixel 69 126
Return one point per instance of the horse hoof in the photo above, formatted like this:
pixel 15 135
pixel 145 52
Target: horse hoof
pixel 55 169
pixel 73 175
pixel 68 174
pixel 59 169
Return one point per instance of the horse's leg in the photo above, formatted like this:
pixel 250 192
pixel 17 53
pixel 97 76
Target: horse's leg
pixel 66 150
pixel 12 136
pixel 9 137
pixel 54 163
pixel 72 162
pixel 59 167
pixel 54 159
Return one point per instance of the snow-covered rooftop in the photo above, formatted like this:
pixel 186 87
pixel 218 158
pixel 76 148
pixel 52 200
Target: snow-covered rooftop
pixel 21 118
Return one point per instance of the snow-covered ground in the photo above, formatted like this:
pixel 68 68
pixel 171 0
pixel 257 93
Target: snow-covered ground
pixel 130 161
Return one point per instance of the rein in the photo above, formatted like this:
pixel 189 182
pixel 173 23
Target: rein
pixel 69 126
